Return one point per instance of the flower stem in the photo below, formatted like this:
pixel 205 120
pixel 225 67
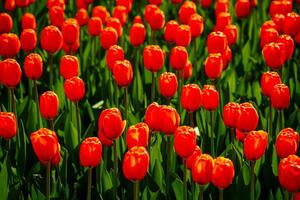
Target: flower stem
pixel 191 116
pixel 116 94
pixel 37 102
pixel 126 101
pixel 200 192
pixel 13 105
pixel 212 146
pixel 115 168
pixel 48 180
pixel 270 121
pixel 88 196
pixel 184 180
pixel 252 164
pixel 220 194
pixel 153 87
pixel 168 166
pixel 78 122
pixel 195 51
pixel 51 71
pixel 51 124
pixel 136 188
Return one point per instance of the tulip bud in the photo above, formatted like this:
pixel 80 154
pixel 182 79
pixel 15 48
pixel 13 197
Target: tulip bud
pixel 116 24
pixel 169 119
pixel 114 53
pixel 149 11
pixel 221 6
pixel 187 70
pixel 231 34
pixel 170 31
pixel 248 118
pixel 222 166
pixel 74 89
pixel 280 7
pixel 126 3
pixel 168 84
pixel 90 152
pixel 33 66
pixel 242 8
pixel 185 141
pixel 82 17
pixel 213 65
pixel 9 45
pixel 291 24
pixel 216 42
pixel 48 35
pixel 157 21
pixel 8 125
pixel 123 73
pixel 278 20
pixel 28 40
pixel 210 97
pixel 196 24
pixel 178 57
pixel 186 10
pixel 231 114
pixel 49 105
pixel 137 135
pixel 289 42
pixel 109 37
pixel 68 66
pixel 183 36
pixel 10 5
pixel 151 116
pixel 6 23
pixel 137 19
pixel 280 96
pixel 135 163
pixel 268 35
pixel 94 26
pixel 289 173
pixel 70 31
pixel 137 34
pixel 202 169
pixel 223 19
pixel 190 161
pixel 56 16
pixel 10 73
pixel 268 81
pixel 287 142
pixel 153 58
pixel 191 97
pixel 100 12
pixel 273 56
pixel 28 21
pixel 120 13
pixel 255 144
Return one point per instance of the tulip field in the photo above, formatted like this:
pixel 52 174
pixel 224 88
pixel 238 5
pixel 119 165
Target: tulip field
pixel 154 99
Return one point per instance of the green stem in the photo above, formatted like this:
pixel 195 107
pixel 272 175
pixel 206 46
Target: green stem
pixel 51 121
pixel 191 116
pixel 281 118
pixel 232 135
pixel 89 189
pixel 180 82
pixel 220 194
pixel 168 166
pixel 48 180
pixel 291 195
pixel 37 102
pixel 126 101
pixel 252 180
pixel 270 121
pixel 78 122
pixel 115 167
pixel 212 146
pixel 13 105
pixel 116 94
pixel 184 180
pixel 195 51
pixel 153 87
pixel 200 192
pixel 152 37
pixel 51 71
pixel 136 188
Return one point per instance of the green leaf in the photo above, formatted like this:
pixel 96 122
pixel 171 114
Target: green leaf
pixel 177 186
pixel 274 161
pixel 159 176
pixel 246 174
pixel 4 180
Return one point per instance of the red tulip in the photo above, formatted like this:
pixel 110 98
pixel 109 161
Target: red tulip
pixel 153 57
pixel 278 20
pixel 6 23
pixel 48 35
pixel 206 3
pixel 291 24
pixel 94 26
pixel 168 84
pixel 185 141
pixel 239 135
pixel 116 24
pixel 60 3
pixel 28 40
pixel 231 114
pixel 137 135
pixel 114 53
pixel 268 24
pixel 242 8
pixel 213 65
pixel 9 45
pixel 33 66
pixel 202 169
pixel 289 173
pixel 190 161
pixel 137 34
pixel 186 10
pixel 267 36
pixel 137 19
pixel 70 49
pixel 187 70
pixel 104 140
pixel 120 12
pixel 70 31
pixel 268 81
pixel 221 6
pixel 223 19
pixel 151 116
pixel 56 16
pixel 90 152
pixel 157 20
pixel 109 37
pixel 81 4
pixel 111 124
pixel 287 142
pixel 49 105
pixel 100 12
pixel 123 73
pixel 273 56
pixel 210 97
pixel 222 166
pixel 289 42
pixel 191 97
pixel 156 2
pixel 10 5
pixel 280 96
pixel 68 66
pixel 45 145
pixel 126 3
pixel 216 42
pixel 135 163
pixel 169 120
pixel 231 34
pixel 170 30
pixel 178 57
pixel 248 118
pixel 10 73
pixel 255 144
pixel 82 17
pixel 28 21
pixel 196 24
pixel 280 7
pixel 183 36
pixel 74 89
pixel 149 11
pixel 8 125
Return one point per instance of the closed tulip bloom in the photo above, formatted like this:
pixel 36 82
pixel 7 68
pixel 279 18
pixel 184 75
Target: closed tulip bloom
pixel 114 53
pixel 137 135
pixel 156 2
pixel 178 57
pixel 22 3
pixel 183 36
pixel 210 97
pixel 137 19
pixel 104 140
pixel 151 116
pixel 28 40
pixel 56 16
pixel 45 145
pixel 231 34
pixel 101 12
pixel 223 172
pixel 239 135
pixel 126 3
pixel 10 5
pixel 287 142
pixel 273 56
pixel 231 114
pixel 28 21
pixel 6 23
pixel 221 6
pixel 190 161
pixel 216 42
pixel 49 104
pixel 289 42
pixel 33 66
pixel 291 24
pixel 116 24
pixel 280 96
pixel 242 8
pixel 109 37
pixel 267 81
pixel 74 89
pixel 187 70
pixel 267 36
pixel 123 73
pixel 280 7
pixel 9 45
pixel 94 26
pixel 289 173
pixel 248 118
pixel 111 124
pixel 157 21
pixel 176 1
pixel 169 120
pixel 81 4
pixel 60 3
pixel 268 24
pixel 196 24
pixel 120 13
pixel 223 19
pixel 213 65
pixel 8 125
pixel 82 17
pixel 70 49
pixel 191 97
pixel 136 163
pixel 186 10
pixel 185 141
pixel 255 145
pixel 68 66
pixel 170 30
pixel 70 31
pixel 202 169
pixel 206 3
pixel 153 58
pixel 149 11
pixel 10 73
pixel 168 84
pixel 48 35
pixel 137 34
pixel 90 152
pixel 278 20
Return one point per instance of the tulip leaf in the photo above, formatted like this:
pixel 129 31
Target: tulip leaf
pixel 246 173
pixel 274 161
pixel 4 189
pixel 159 176
pixel 177 186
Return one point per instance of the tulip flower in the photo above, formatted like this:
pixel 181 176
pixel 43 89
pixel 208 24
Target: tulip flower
pixel 120 13
pixel 28 40
pixel 168 85
pixel 137 34
pixel 221 6
pixel 287 142
pixel 231 33
pixel 28 21
pixel 8 125
pixel 116 24
pixel 213 66
pixel 47 149
pixel 68 66
pixel 278 7
pixel 206 3
pixel 222 166
pixel 9 45
pixel 70 30
pixel 90 154
pixel 82 17
pixel 56 16
pixel 187 9
pixel 242 8
pixel 135 167
pixel 137 135
pixel 289 42
pixel 157 22
pixel 216 42
pixel 223 19
pixel 100 12
pixel 193 158
pixel 291 24
pixel 113 54
pixel 49 103
pixel 280 96
pixel 273 55
pixel 6 23
pixel 109 37
pixel 183 36
pixel 230 116
pixel 126 3
pixel 170 31
pixel 289 173
pixel 151 116
pixel 248 118
pixel 10 5
pixel 187 71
